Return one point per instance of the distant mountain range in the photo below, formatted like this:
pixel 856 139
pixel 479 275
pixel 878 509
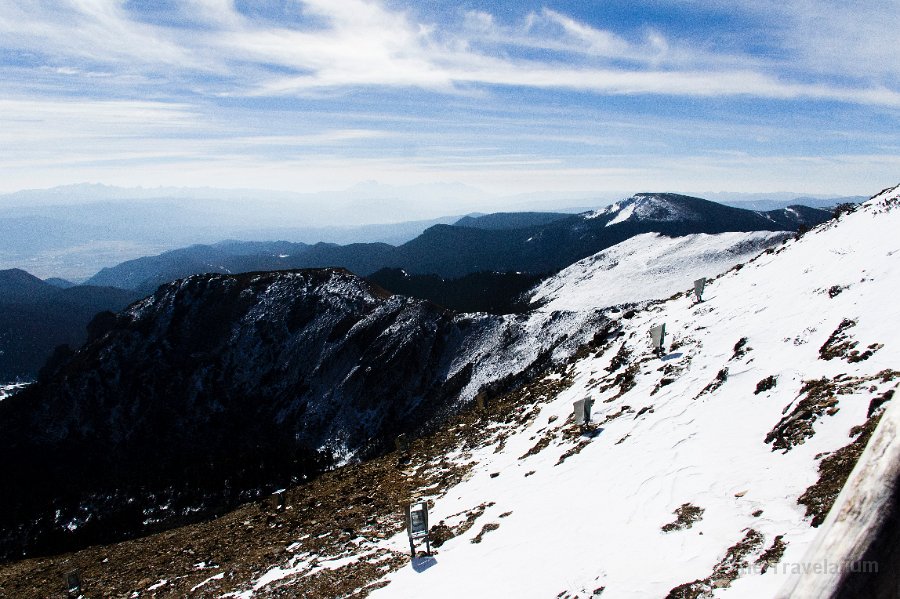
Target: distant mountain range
pixel 74 231
pixel 771 204
pixel 75 241
pixel 37 316
pixel 529 242
pixel 510 220
pixel 481 263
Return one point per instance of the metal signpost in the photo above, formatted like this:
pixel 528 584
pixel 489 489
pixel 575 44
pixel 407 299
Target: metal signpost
pixel 658 336
pixel 276 501
pixel 73 584
pixel 417 525
pixel 699 286
pixel 582 410
pixel 402 445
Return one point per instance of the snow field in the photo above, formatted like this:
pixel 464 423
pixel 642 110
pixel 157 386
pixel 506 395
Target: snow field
pixel 595 519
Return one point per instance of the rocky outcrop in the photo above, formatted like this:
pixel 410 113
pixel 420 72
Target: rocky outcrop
pixel 219 386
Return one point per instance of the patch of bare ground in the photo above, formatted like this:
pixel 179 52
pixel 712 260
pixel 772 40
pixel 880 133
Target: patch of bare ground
pixel 623 373
pixel 772 555
pixel 642 411
pixel 581 435
pixel 626 380
pixel 441 532
pixel 622 411
pixel 839 342
pixel 685 516
pixel 820 397
pixel 841 345
pixel 740 349
pixel 717 382
pixel 724 573
pixel 834 469
pixel 836 290
pixel 620 359
pixel 541 445
pixel 766 384
pixel 484 530
pixel 795 428
pixel 663 382
pixel 341 515
pixel 575 450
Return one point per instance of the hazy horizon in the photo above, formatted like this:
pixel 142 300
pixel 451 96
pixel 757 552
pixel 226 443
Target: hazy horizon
pixel 74 231
pixel 506 97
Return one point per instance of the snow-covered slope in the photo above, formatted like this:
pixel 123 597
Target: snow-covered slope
pixel 686 484
pixel 703 429
pixel 645 206
pixel 7 390
pixel 647 266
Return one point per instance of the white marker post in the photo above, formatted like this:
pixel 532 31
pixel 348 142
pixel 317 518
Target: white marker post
pixel 699 286
pixel 417 525
pixel 658 336
pixel 582 410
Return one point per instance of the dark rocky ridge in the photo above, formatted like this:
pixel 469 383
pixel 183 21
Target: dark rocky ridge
pixel 496 293
pixel 525 242
pixel 219 386
pixel 37 316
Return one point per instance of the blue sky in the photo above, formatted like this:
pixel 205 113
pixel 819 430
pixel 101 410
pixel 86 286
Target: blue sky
pixel 509 96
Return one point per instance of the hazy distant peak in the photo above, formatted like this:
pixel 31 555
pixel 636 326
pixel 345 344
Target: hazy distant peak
pixel 510 220
pixel 659 207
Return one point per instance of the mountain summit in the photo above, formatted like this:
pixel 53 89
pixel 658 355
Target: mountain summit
pixel 672 208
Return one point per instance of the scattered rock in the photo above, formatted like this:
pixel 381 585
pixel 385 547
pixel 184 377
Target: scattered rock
pixel 686 515
pixel 766 384
pixel 835 469
pixel 720 379
pixel 740 349
pixel 835 290
pixel 839 343
pixel 484 530
pixel 772 555
pixel 795 428
pixel 724 573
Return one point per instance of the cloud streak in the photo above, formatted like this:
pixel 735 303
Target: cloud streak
pixel 306 90
pixel 358 43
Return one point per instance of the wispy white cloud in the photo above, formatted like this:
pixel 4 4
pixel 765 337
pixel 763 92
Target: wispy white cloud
pixel 365 44
pixel 224 94
pixel 83 30
pixel 829 37
pixel 583 37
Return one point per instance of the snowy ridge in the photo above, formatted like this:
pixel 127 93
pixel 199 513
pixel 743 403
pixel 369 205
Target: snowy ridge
pixel 648 266
pixel 7 390
pixel 643 207
pixel 570 514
